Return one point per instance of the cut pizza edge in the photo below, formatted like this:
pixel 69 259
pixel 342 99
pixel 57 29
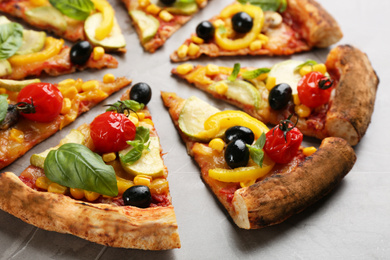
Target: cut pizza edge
pixel 347 113
pixel 285 190
pixel 78 97
pixel 155 23
pixel 304 25
pixel 102 219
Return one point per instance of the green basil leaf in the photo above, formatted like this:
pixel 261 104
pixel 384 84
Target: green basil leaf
pixel 306 63
pixel 254 73
pixel 268 5
pixel 283 6
pixel 76 9
pixel 235 72
pixel 3 107
pixel 186 1
pixel 256 150
pixel 120 106
pixel 11 39
pixel 139 144
pixel 142 134
pixel 75 166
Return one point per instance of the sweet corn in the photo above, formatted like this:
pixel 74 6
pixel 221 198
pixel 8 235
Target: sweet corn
pixel 193 49
pixel 202 149
pixel 148 121
pixel 123 184
pixel 159 186
pixel 68 92
pixel 263 38
pixel 77 193
pixel 307 151
pixel 153 9
pixel 212 70
pixel 217 144
pixel 182 51
pixel 108 78
pixel 133 119
pixel 16 135
pixel 78 84
pixel 39 2
pixel 196 39
pixel 96 95
pixel 305 70
pixel 3 91
pixel 91 195
pixel 98 53
pixel 43 182
pixel 217 23
pixel 90 85
pixel 142 180
pixel 109 157
pixel 320 68
pixel 255 45
pixel 221 88
pixel 66 105
pixel 296 99
pixel 271 81
pixel 244 184
pixel 183 69
pixel 143 3
pixel 165 16
pixel 57 188
pixel 66 83
pixel 302 110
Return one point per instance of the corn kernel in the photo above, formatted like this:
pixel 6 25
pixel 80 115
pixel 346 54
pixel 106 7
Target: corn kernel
pixel 196 39
pixel 159 186
pixel 185 68
pixel 78 84
pixel 165 16
pixel 43 182
pixel 123 184
pixel 148 121
pixel 320 68
pixel 133 119
pixel 69 92
pixel 66 106
pixel 302 110
pixel 109 157
pixel 217 144
pixel 143 3
pixel 57 188
pixel 90 85
pixel 244 184
pixel 98 53
pixel 255 45
pixel 108 78
pixel 96 95
pixel 77 193
pixel 3 91
pixel 193 49
pixel 91 195
pixel 221 88
pixel 153 9
pixel 142 180
pixel 212 70
pixel 39 2
pixel 66 83
pixel 263 38
pixel 305 70
pixel 182 51
pixel 271 81
pixel 217 23
pixel 307 151
pixel 296 99
pixel 16 135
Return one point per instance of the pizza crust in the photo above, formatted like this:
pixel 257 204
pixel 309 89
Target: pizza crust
pixel 127 227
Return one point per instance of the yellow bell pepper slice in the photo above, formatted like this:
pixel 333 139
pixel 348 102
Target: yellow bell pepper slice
pixel 217 124
pixel 235 44
pixel 242 174
pixel 107 24
pixel 52 47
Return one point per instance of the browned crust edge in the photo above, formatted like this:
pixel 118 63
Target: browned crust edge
pixel 278 197
pixel 128 227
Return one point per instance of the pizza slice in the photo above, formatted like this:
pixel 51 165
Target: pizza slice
pixel 29 53
pixel 92 20
pixel 274 27
pixel 156 20
pixel 332 99
pixel 105 182
pixel 31 111
pixel 260 176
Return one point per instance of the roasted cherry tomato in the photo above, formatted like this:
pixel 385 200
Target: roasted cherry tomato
pixel 110 131
pixel 314 89
pixel 283 141
pixel 41 102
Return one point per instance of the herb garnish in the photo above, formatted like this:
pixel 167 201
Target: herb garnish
pixel 140 143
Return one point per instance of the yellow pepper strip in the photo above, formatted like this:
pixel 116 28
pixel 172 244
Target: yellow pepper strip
pixel 258 20
pixel 242 174
pixel 52 48
pixel 217 124
pixel 107 24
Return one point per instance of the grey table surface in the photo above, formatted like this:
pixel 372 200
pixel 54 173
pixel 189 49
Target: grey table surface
pixel 350 223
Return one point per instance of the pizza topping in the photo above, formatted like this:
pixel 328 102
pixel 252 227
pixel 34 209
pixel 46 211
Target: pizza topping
pixel 11 39
pixel 147 24
pixel 168 2
pixel 217 144
pixel 279 96
pixel 47 15
pixel 138 196
pixel 314 89
pixel 141 92
pixel 205 30
pixel 269 5
pixel 78 10
pixel 80 52
pixel 236 154
pixel 44 97
pixel 242 22
pixel 283 141
pixel 239 132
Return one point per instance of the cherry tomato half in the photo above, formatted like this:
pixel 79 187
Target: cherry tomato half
pixel 46 98
pixel 110 131
pixel 279 148
pixel 314 89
